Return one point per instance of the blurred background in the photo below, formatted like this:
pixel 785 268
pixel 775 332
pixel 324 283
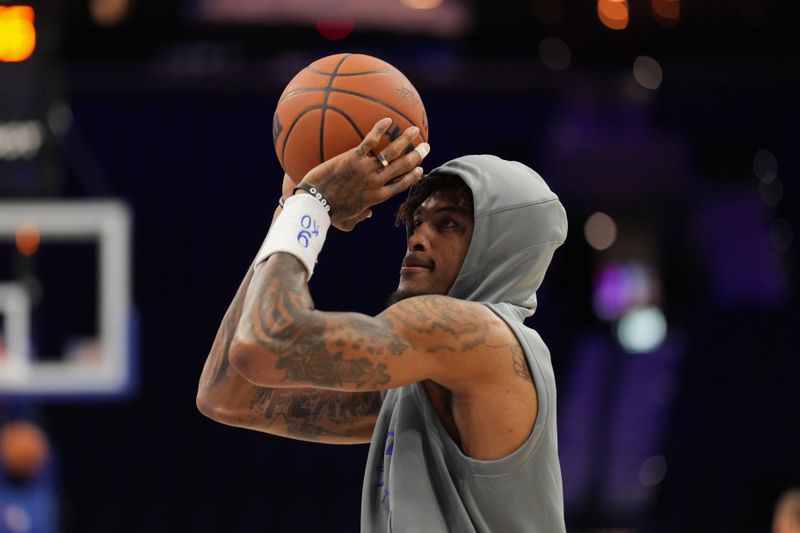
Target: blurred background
pixel 137 180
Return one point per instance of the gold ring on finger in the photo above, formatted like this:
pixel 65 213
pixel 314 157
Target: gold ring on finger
pixel 382 160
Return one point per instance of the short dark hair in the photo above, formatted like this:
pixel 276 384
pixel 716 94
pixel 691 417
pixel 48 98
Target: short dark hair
pixel 425 187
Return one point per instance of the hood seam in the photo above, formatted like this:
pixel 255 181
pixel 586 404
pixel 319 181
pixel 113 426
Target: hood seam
pixel 518 206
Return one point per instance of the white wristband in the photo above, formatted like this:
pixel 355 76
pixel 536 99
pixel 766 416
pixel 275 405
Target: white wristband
pixel 299 230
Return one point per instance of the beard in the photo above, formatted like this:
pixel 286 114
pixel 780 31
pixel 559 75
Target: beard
pixel 399 296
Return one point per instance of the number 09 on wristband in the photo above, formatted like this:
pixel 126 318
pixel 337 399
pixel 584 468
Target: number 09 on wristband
pixel 299 230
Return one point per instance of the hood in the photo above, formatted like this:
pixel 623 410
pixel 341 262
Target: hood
pixel 519 223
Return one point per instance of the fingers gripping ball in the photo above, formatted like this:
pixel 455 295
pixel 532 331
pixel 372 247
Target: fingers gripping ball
pixel 330 106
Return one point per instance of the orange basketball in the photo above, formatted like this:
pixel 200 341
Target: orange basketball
pixel 330 106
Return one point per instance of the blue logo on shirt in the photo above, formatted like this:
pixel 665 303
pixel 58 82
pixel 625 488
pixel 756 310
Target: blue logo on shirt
pixel 380 467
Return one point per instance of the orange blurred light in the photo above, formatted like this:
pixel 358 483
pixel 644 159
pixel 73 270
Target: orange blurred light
pixel 108 12
pixel 28 238
pixel 24 448
pixel 17 33
pixel 613 13
pixel 667 12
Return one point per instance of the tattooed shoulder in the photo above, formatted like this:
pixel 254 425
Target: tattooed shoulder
pixel 520 362
pixel 441 323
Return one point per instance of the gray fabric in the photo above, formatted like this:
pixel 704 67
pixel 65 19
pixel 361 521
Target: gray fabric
pixel 417 479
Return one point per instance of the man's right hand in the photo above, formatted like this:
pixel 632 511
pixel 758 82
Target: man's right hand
pixel 354 181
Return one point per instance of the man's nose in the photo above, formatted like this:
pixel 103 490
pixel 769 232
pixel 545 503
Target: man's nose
pixel 418 241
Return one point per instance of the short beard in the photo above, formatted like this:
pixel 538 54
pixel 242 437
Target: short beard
pixel 399 296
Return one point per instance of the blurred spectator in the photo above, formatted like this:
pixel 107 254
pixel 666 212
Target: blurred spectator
pixel 787 513
pixel 27 488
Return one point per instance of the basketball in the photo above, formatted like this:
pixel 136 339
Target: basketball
pixel 330 106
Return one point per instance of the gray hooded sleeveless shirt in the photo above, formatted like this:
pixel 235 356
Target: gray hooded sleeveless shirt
pixel 417 479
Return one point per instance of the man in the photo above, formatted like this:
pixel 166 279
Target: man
pixel 455 394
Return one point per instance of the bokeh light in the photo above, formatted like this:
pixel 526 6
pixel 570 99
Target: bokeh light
pixel 422 4
pixel 647 72
pixel 765 165
pixel 620 287
pixel 666 12
pixel 772 192
pixel 17 33
pixel 600 231
pixel 109 12
pixel 17 519
pixel 20 139
pixel 642 330
pixel 653 470
pixel 613 13
pixel 335 30
pixel 554 53
pixel 27 238
pixel 781 235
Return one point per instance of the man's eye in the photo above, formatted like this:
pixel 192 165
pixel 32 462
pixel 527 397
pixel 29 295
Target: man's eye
pixel 448 223
pixel 416 222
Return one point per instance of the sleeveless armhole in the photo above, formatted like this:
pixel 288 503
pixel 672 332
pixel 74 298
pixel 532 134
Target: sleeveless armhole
pixel 516 459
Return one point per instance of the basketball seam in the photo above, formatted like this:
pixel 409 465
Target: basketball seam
pixel 316 71
pixel 325 107
pixel 351 93
pixel 375 100
pixel 350 120
pixel 312 89
pixel 301 91
pixel 294 123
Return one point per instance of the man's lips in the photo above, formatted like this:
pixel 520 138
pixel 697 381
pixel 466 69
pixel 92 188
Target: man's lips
pixel 416 264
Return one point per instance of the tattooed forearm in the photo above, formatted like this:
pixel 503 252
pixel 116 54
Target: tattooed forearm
pixel 311 414
pixel 331 370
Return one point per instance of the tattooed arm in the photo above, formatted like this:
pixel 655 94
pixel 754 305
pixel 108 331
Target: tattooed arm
pixel 282 341
pixel 301 413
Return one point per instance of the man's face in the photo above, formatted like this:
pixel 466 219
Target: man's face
pixel 442 232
